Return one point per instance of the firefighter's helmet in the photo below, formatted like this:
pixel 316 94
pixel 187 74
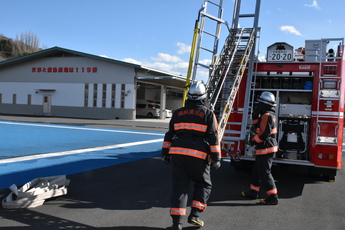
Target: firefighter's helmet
pixel 267 98
pixel 197 91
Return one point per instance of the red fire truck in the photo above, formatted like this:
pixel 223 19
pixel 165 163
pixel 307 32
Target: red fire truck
pixel 309 90
pixel 307 83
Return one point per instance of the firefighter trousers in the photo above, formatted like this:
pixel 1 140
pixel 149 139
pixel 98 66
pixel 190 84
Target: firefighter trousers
pixel 187 169
pixel 262 173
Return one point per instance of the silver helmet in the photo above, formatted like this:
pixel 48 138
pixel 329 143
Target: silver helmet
pixel 267 98
pixel 197 91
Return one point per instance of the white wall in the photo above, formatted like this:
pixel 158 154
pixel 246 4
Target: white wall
pixel 64 94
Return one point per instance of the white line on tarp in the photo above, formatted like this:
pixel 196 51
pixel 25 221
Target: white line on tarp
pixel 80 128
pixel 64 153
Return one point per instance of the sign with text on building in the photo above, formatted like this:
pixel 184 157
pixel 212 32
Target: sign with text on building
pixel 64 69
pixel 280 52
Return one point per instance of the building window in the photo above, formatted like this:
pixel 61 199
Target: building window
pixel 104 95
pixel 113 91
pixel 86 95
pixel 123 91
pixel 29 99
pixel 94 95
pixel 14 99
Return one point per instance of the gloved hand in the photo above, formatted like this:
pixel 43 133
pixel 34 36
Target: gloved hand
pixel 166 159
pixel 215 165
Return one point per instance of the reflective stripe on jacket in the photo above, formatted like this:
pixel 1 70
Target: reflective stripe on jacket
pixel 188 152
pixel 191 126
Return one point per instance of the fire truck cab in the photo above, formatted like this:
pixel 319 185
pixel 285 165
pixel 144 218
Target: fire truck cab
pixel 308 86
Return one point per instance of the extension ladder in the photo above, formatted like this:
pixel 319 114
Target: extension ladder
pixel 227 74
pixel 209 19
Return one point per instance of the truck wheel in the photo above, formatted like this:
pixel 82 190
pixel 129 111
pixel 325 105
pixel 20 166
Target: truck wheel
pixel 149 115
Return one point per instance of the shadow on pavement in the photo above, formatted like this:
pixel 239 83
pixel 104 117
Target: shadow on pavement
pixel 139 185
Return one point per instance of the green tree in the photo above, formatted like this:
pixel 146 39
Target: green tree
pixel 5 47
pixel 25 43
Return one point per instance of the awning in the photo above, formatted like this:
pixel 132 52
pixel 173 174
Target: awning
pixel 174 82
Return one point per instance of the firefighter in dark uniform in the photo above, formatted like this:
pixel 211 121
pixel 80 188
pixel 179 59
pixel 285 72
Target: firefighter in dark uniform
pixel 192 147
pixel 266 145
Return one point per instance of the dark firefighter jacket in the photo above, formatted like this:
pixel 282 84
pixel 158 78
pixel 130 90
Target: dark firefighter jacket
pixel 266 131
pixel 193 131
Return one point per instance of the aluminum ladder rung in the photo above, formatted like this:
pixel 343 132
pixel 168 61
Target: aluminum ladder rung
pixel 212 17
pixel 203 65
pixel 246 15
pixel 213 35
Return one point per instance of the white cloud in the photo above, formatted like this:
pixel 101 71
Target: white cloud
pixel 291 29
pixel 173 64
pixel 176 68
pixel 183 48
pixel 205 62
pixel 131 60
pixel 262 58
pixel 161 66
pixel 167 58
pixel 313 5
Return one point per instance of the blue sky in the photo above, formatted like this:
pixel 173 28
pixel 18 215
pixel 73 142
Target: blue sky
pixel 158 33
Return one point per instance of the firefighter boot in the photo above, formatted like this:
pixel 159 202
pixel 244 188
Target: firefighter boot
pixel 176 227
pixel 177 223
pixel 194 219
pixel 270 200
pixel 250 194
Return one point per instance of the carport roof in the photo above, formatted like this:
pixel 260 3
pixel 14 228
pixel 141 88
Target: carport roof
pixel 156 77
pixel 176 82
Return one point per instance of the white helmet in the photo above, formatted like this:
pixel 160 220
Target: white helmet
pixel 197 91
pixel 267 98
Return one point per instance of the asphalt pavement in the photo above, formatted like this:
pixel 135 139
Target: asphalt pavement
pixel 136 195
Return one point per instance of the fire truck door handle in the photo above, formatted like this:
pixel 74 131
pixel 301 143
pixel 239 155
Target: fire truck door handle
pixel 336 130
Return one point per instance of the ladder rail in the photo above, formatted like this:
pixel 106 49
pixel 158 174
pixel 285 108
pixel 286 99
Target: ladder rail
pixel 248 110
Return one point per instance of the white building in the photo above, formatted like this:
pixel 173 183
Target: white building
pixel 67 83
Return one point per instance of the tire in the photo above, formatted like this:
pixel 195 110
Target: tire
pixel 149 115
